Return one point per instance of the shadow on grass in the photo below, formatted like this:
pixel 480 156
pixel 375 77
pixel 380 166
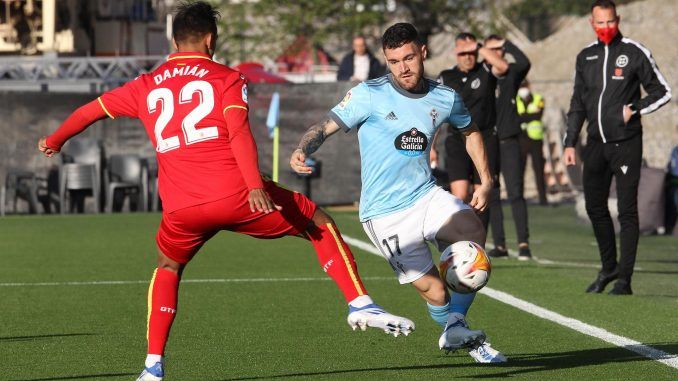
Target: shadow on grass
pixel 82 377
pixel 518 364
pixel 538 362
pixel 41 337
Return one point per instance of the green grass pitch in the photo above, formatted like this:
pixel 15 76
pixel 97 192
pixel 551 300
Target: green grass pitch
pixel 275 325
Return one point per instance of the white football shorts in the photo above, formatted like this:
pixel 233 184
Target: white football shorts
pixel 401 237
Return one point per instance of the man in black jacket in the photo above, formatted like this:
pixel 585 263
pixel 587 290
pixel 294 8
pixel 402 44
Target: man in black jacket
pixel 607 82
pixel 360 64
pixel 475 81
pixel 510 157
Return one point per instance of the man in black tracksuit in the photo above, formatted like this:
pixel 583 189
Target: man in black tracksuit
pixel 510 155
pixel 607 82
pixel 475 82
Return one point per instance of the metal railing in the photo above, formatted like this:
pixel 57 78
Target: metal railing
pixel 77 73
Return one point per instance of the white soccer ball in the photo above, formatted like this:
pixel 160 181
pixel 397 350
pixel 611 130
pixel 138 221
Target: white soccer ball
pixel 465 267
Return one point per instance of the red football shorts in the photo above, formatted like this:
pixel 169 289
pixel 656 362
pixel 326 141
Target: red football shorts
pixel 184 231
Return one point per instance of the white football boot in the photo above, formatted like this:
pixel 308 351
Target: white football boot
pixel 154 373
pixel 372 315
pixel 458 335
pixel 485 354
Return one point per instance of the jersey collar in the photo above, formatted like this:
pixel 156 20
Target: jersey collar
pixel 188 55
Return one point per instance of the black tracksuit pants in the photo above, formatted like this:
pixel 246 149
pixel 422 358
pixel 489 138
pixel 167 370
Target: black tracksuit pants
pixel 512 169
pixel 534 149
pixel 621 160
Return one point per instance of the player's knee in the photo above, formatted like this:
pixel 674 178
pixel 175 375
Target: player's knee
pixel 472 229
pixel 168 264
pixel 320 218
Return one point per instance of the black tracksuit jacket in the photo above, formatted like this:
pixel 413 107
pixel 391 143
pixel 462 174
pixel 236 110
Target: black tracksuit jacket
pixel 608 77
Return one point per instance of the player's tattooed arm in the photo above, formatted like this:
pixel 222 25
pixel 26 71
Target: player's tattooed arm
pixel 316 134
pixel 310 142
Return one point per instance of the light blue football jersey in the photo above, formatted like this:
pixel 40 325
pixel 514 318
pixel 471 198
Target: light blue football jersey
pixel 395 132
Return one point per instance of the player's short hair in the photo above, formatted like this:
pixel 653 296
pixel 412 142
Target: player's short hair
pixel 193 20
pixel 465 36
pixel 605 4
pixel 493 37
pixel 398 35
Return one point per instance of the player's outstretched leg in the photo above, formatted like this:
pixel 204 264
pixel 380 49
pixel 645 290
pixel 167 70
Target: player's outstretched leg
pixel 337 260
pixel 162 308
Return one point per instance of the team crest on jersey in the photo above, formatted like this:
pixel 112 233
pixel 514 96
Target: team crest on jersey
pixel 434 116
pixel 411 143
pixel 244 93
pixel 622 61
pixel 344 102
pixel 475 84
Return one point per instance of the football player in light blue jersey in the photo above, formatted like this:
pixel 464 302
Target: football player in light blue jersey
pixel 401 208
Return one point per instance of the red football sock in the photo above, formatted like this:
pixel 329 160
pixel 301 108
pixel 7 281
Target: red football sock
pixel 337 260
pixel 162 307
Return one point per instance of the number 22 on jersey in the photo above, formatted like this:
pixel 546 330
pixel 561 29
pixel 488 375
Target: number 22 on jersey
pixel 165 98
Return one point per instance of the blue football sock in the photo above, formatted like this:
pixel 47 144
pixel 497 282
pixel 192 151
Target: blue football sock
pixel 439 313
pixel 460 303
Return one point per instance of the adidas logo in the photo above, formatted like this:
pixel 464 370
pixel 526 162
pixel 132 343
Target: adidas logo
pixel 391 116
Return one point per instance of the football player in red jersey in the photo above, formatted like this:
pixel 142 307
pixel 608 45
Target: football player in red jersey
pixel 195 113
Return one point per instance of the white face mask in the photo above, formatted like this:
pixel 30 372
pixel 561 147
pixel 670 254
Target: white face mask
pixel 523 92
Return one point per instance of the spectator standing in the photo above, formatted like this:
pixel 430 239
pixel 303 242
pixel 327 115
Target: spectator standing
pixel 475 82
pixel 510 158
pixel 608 76
pixel 360 64
pixel 530 107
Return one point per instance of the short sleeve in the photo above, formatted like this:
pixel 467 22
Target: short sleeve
pixel 235 93
pixel 459 115
pixel 121 101
pixel 354 109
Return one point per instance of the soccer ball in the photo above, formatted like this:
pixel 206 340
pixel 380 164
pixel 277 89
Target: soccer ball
pixel 465 267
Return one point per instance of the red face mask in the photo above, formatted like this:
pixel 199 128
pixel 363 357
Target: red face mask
pixel 606 35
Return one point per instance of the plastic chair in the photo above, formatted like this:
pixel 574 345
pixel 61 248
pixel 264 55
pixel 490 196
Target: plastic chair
pixel 22 184
pixel 151 164
pixel 126 172
pixel 80 171
pixel 78 177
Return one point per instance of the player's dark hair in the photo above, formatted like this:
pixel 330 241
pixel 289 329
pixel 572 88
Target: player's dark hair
pixel 465 36
pixel 605 4
pixel 193 20
pixel 398 35
pixel 493 37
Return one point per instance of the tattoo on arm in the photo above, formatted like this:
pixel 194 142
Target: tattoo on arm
pixel 314 137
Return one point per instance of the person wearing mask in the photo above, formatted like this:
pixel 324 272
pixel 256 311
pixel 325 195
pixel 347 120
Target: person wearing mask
pixel 608 76
pixel 530 107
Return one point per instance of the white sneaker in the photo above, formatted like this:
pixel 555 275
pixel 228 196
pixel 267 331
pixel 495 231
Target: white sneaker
pixel 485 354
pixel 372 315
pixel 154 373
pixel 457 335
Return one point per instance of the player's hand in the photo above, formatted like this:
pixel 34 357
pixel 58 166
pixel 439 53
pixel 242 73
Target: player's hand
pixel 480 197
pixel 42 146
pixel 261 202
pixel 298 162
pixel 569 156
pixel 433 156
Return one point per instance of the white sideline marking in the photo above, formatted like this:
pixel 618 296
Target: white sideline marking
pixel 126 282
pixel 577 325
